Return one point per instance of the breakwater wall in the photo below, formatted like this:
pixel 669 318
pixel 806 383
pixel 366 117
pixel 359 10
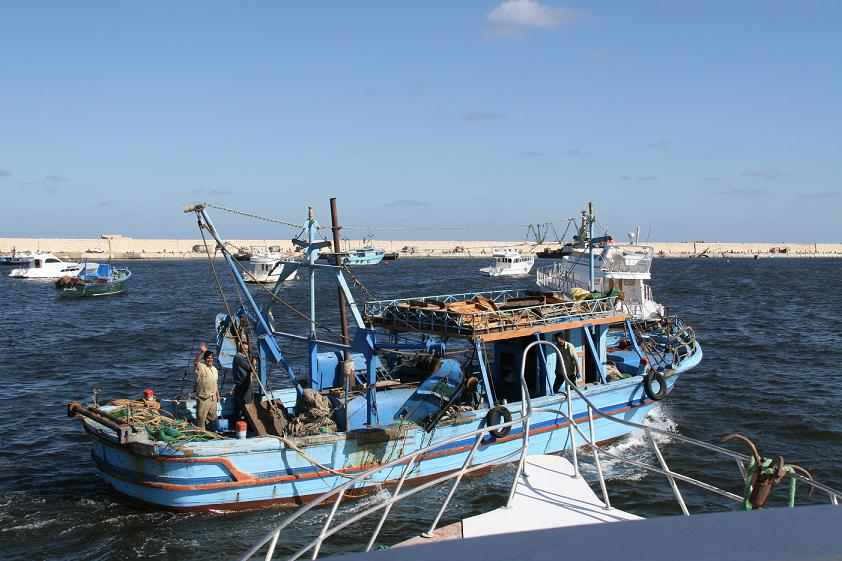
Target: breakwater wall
pixel 136 248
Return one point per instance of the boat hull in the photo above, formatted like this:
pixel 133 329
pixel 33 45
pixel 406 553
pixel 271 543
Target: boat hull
pixel 88 290
pixel 30 273
pixel 83 288
pixel 256 275
pixel 233 474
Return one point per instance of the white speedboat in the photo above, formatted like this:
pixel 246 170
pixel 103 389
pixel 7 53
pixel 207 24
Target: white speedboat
pixel 48 266
pixel 269 268
pixel 509 263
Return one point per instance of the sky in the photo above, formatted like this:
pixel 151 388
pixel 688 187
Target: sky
pixel 427 120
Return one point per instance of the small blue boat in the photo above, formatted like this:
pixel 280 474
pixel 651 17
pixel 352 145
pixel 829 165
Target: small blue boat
pixel 414 371
pixel 366 255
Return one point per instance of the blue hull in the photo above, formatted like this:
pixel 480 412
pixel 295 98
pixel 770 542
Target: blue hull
pixel 235 474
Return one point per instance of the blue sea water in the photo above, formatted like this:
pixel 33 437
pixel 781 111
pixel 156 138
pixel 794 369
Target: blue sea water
pixel 771 331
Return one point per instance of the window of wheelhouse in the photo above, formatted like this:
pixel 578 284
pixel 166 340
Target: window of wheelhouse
pixel 52 260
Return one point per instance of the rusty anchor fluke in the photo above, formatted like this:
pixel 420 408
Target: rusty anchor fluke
pixel 764 480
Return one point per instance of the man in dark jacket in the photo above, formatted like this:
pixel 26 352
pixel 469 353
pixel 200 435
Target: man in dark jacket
pixel 242 370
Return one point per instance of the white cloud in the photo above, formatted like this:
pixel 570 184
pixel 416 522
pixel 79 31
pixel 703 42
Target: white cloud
pixel 529 13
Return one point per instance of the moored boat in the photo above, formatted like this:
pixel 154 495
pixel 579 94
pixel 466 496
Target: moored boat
pixel 509 263
pixel 415 371
pixel 105 280
pixel 46 266
pixel 269 268
pixel 366 255
pixel 16 258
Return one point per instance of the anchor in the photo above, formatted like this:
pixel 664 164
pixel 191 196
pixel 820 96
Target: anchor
pixel 763 474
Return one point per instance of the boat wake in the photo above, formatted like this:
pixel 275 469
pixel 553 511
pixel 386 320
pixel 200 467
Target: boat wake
pixel 633 446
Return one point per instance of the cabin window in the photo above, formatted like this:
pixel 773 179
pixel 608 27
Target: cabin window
pixel 51 260
pixel 37 264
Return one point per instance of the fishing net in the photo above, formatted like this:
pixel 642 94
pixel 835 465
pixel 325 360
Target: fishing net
pixel 159 426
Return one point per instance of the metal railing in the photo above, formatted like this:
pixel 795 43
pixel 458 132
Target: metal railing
pixel 414 313
pixel 589 440
pixel 559 277
pixel 619 260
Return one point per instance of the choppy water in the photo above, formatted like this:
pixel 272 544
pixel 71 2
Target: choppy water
pixel 771 331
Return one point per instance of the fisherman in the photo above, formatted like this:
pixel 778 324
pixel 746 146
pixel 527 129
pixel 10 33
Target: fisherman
pixel 207 389
pixel 241 370
pixel 569 362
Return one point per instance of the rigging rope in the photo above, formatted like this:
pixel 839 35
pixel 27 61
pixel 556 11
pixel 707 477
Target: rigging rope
pixel 255 216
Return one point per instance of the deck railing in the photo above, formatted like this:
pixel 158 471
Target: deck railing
pixel 588 439
pixel 559 277
pixel 412 313
pixel 620 261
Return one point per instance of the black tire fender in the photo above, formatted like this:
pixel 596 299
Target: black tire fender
pixel 648 379
pixel 496 415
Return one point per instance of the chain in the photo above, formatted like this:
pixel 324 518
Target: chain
pixel 357 282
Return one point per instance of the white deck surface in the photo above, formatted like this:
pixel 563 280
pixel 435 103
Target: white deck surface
pixel 550 497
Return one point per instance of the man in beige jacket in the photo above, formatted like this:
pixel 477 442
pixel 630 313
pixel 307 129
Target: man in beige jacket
pixel 207 388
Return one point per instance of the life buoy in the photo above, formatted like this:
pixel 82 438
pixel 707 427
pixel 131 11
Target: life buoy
pixel 655 376
pixel 496 415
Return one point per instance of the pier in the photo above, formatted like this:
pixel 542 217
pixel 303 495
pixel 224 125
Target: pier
pixel 147 248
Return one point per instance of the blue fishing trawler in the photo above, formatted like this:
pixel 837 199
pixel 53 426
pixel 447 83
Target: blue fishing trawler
pixel 414 371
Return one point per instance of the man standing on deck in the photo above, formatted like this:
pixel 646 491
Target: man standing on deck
pixel 241 370
pixel 569 362
pixel 207 388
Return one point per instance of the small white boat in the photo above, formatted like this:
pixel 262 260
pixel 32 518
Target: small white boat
pixel 48 266
pixel 268 268
pixel 509 263
pixel 16 258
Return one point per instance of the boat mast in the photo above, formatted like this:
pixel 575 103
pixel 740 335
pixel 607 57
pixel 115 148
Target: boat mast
pixel 265 334
pixel 348 362
pixel 343 313
pixel 312 256
pixel 590 246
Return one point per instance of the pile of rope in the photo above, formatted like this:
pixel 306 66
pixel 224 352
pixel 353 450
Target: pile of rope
pixel 138 413
pixel 315 417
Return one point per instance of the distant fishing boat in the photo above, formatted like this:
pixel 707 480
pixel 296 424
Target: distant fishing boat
pixel 598 264
pixel 509 263
pixel 105 280
pixel 366 255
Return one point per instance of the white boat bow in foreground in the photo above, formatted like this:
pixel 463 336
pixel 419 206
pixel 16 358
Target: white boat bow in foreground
pixel 549 494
